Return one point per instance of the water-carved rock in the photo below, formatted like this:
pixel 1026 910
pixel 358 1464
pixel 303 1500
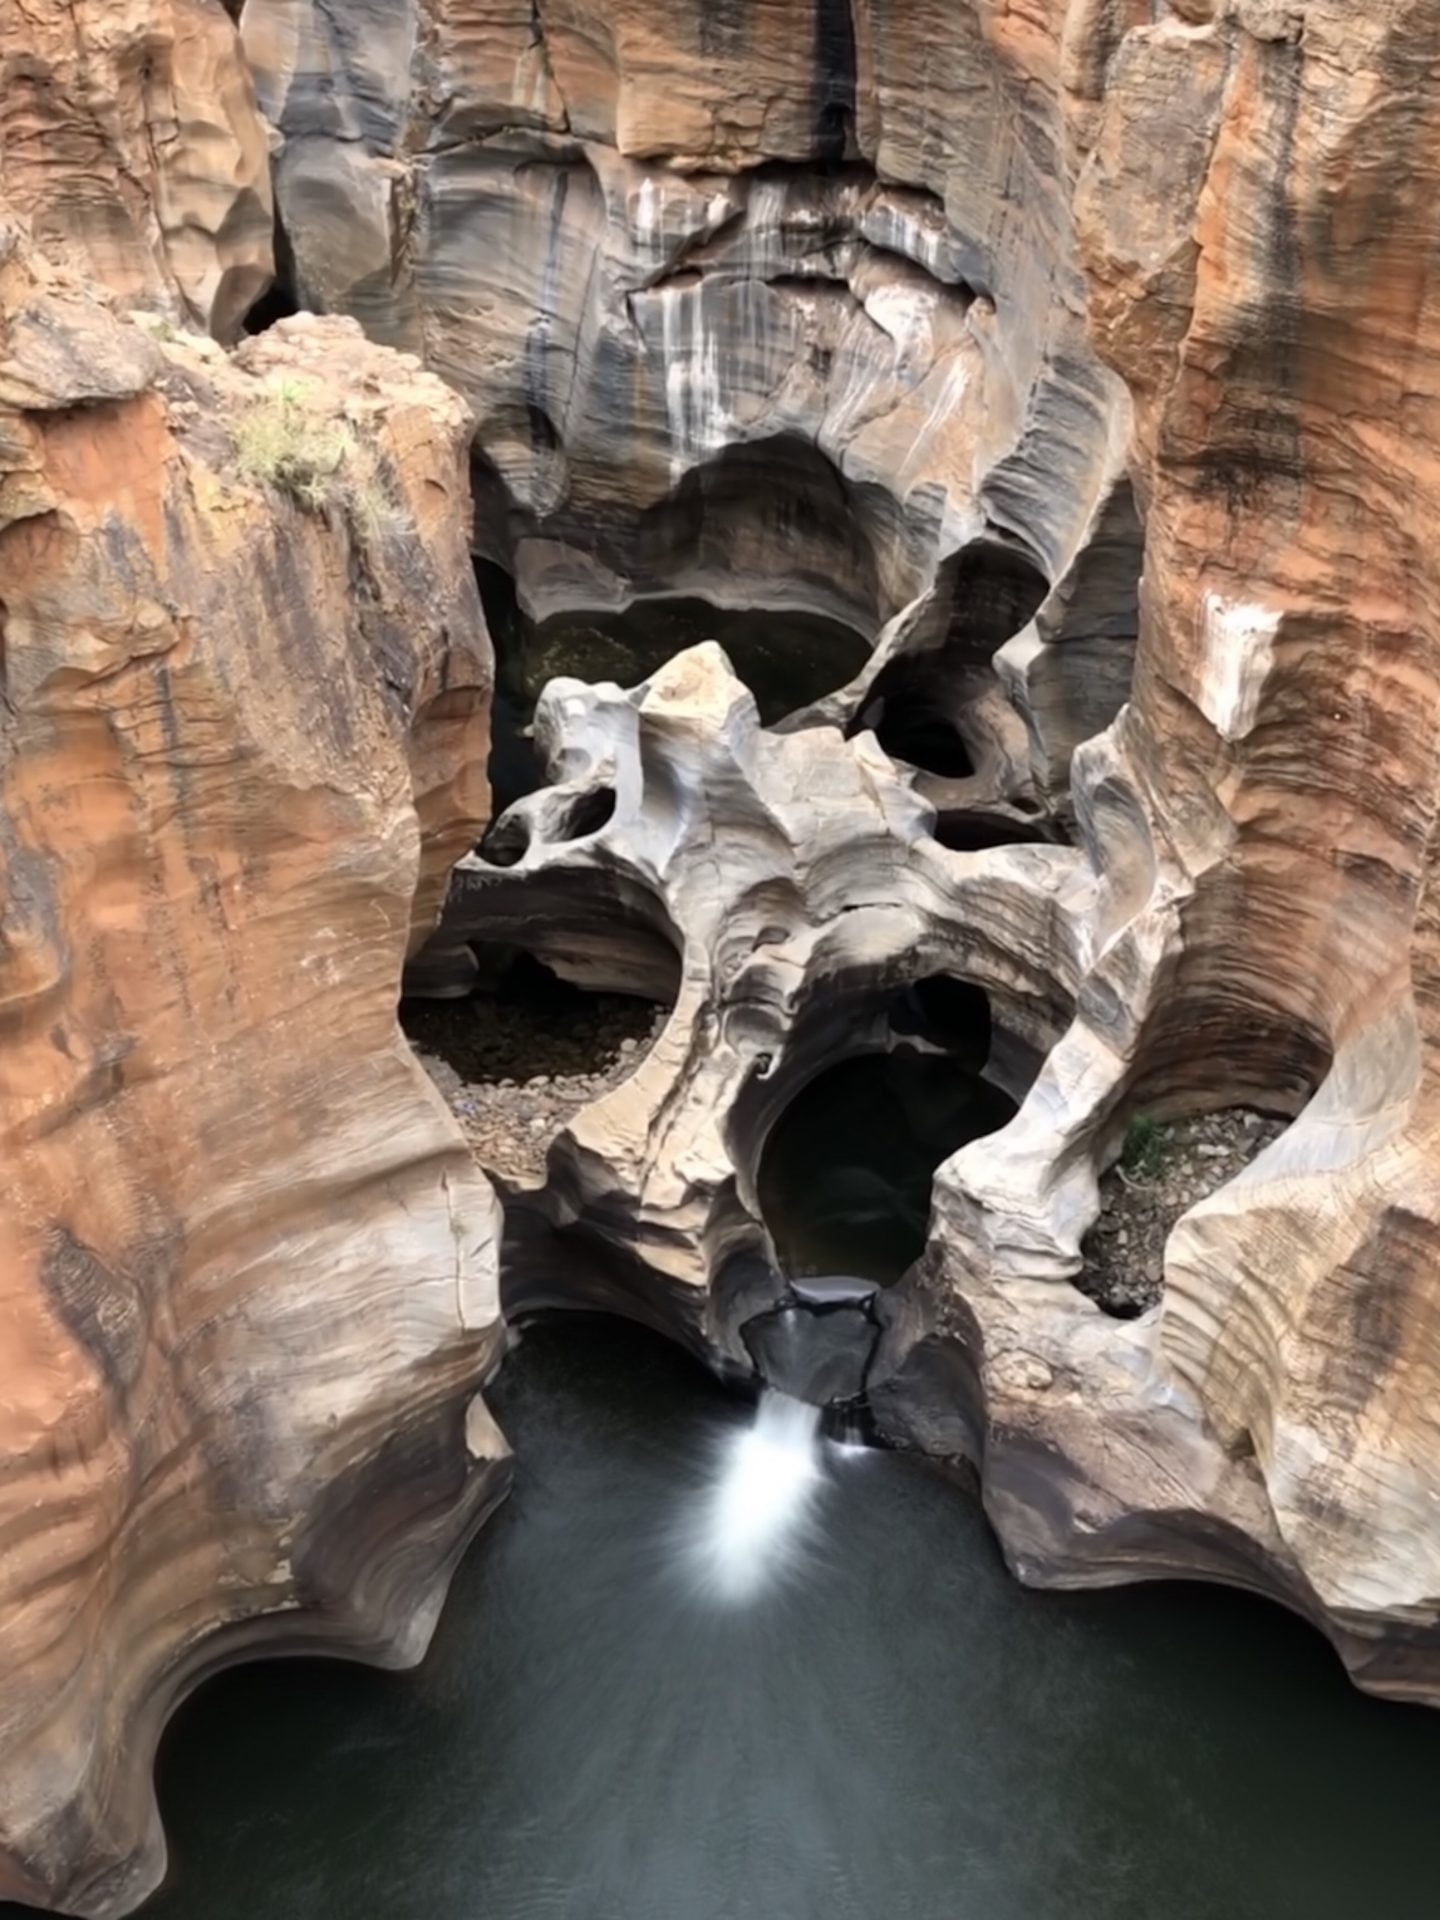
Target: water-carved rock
pixel 247 1269
pixel 793 885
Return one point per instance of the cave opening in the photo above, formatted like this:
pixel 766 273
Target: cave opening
pixel 978 832
pixel 788 657
pixel 921 706
pixel 281 299
pixel 1164 1167
pixel 763 547
pixel 1174 1144
pixel 846 1169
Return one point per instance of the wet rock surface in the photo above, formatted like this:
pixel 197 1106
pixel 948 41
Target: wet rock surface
pixel 815 1355
pixel 1166 1169
pixel 515 1065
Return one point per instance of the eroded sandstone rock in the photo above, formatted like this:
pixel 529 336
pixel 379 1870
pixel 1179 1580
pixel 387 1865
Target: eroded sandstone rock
pixel 1218 186
pixel 129 138
pixel 247 1268
pixel 843 308
pixel 777 307
pixel 792 884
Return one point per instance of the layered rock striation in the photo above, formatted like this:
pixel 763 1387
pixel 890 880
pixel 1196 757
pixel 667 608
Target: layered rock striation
pixel 247 1267
pixel 130 141
pixel 1000 336
pixel 779 312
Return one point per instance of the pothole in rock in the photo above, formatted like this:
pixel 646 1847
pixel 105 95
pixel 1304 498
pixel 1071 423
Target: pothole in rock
pixel 787 658
pixel 1165 1167
pixel 919 706
pixel 975 832
pixel 845 1176
pixel 516 1064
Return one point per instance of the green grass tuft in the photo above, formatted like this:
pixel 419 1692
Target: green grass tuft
pixel 1147 1148
pixel 279 444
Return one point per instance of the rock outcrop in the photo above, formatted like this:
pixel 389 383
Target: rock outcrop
pixel 247 1268
pixel 783 890
pixel 130 141
pixel 1080 358
pixel 778 311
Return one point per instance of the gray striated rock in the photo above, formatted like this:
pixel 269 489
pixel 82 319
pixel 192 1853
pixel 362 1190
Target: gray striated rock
pixel 795 885
pixel 718 342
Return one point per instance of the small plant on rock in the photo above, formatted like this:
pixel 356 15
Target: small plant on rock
pixel 279 443
pixel 1146 1150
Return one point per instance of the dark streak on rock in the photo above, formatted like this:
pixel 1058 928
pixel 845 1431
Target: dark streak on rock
pixel 835 78
pixel 103 1309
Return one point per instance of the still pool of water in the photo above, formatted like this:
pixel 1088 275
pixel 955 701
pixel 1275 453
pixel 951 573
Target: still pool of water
pixel 846 1176
pixel 894 1729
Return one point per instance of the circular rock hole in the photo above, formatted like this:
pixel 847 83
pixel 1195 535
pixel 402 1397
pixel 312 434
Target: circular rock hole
pixel 844 1179
pixel 590 813
pixel 519 1059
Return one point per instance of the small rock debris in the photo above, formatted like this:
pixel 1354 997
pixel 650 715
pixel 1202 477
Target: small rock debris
pixel 1184 1161
pixel 514 1070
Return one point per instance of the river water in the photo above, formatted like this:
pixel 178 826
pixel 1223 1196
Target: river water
pixel 890 1729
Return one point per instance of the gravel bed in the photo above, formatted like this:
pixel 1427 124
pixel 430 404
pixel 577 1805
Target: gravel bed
pixel 1144 1194
pixel 516 1066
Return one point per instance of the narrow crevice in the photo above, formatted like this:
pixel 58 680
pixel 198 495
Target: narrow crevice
pixel 976 832
pixel 281 299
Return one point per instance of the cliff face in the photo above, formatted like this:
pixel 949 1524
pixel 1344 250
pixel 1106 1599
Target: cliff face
pixel 773 305
pixel 129 139
pixel 1265 286
pixel 854 305
pixel 247 1275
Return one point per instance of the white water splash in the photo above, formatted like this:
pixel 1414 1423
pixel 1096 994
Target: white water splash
pixel 754 1519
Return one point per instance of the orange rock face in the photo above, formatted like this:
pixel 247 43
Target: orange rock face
pixel 247 1271
pixel 872 310
pixel 129 138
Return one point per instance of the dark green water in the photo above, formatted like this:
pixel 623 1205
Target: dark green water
pixel 899 1734
pixel 846 1174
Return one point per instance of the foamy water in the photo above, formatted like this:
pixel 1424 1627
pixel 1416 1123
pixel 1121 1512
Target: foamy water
pixel 753 1522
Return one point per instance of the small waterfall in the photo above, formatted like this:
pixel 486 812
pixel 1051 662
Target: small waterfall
pixel 755 1516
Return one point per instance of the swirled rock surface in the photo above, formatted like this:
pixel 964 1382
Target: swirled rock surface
pixel 783 890
pixel 1192 292
pixel 247 1270
pixel 1265 285
pixel 778 308
pixel 1079 356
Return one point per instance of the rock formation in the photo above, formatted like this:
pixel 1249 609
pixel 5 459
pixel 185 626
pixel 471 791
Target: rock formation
pixel 1079 358
pixel 830 898
pixel 247 1271
pixel 778 312
pixel 129 139
pixel 1000 289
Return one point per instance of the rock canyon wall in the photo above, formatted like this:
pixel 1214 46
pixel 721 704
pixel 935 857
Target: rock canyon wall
pixel 1002 335
pixel 247 1269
